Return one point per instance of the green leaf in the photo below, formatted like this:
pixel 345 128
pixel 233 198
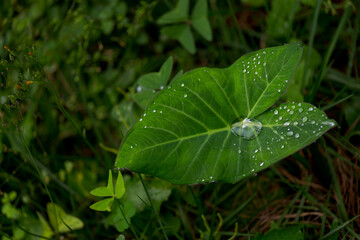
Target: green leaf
pixel 293 233
pixel 46 230
pixel 212 124
pixel 200 21
pixel 158 190
pixel 62 221
pixel 103 205
pixel 119 186
pixel 116 218
pixel 181 33
pixel 178 14
pixel 148 83
pixel 105 191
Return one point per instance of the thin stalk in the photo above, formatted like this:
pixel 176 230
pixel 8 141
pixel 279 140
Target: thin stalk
pixel 41 177
pixel 329 52
pixel 353 45
pixel 311 42
pixel 50 86
pixel 337 189
pixel 153 207
pixel 241 35
pixel 213 217
pixel 127 222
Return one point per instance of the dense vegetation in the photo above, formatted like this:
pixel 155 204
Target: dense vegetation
pixel 74 80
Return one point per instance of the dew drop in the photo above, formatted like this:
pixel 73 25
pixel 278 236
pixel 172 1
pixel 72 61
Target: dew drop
pixel 246 128
pixel 239 151
pixel 290 133
pixel 301 110
pixel 310 109
pixel 291 112
pixel 282 146
pixel 244 71
pixel 286 123
pixel 304 119
pixel 276 112
pixel 330 123
pixel 279 90
pixel 256 150
pixel 182 85
pixel 296 135
pixel 185 95
pixel 261 164
pixel 295 123
pixel 154 110
pixel 140 119
pixel 280 117
pixel 131 146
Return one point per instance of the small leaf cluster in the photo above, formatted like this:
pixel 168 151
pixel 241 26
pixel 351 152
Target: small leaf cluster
pixel 111 191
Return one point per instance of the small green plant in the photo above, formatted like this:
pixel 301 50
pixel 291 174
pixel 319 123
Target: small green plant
pixel 111 191
pixel 181 22
pixel 218 124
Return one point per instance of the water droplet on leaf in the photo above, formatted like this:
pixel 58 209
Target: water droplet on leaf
pixel 246 128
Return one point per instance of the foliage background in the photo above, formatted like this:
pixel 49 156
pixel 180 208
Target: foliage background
pixel 89 55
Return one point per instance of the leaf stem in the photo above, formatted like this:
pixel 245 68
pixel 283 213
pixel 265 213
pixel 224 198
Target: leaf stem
pixel 127 222
pixel 153 207
pixel 329 52
pixel 241 34
pixel 311 42
pixel 41 178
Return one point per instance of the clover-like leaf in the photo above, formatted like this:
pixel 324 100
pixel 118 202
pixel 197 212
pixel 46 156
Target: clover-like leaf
pixel 119 186
pixel 199 19
pixel 103 205
pixel 178 14
pixel 183 34
pixel 61 221
pixel 216 125
pixel 105 191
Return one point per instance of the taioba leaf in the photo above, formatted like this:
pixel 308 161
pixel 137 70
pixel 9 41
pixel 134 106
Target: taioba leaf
pixel 62 221
pixel 148 83
pixel 212 124
pixel 105 191
pixel 200 21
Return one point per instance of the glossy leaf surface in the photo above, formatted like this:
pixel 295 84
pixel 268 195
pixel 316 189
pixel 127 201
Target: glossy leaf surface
pixel 186 137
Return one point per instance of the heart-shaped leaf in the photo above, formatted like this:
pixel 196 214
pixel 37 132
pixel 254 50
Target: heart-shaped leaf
pixel 103 205
pixel 148 83
pixel 61 221
pixel 178 14
pixel 199 19
pixel 183 34
pixel 212 124
pixel 119 186
pixel 105 191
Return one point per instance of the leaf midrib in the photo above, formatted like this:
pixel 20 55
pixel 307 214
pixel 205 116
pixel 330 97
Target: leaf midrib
pixel 209 132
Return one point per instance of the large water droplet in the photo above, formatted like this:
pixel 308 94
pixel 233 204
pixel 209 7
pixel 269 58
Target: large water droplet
pixel 246 128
